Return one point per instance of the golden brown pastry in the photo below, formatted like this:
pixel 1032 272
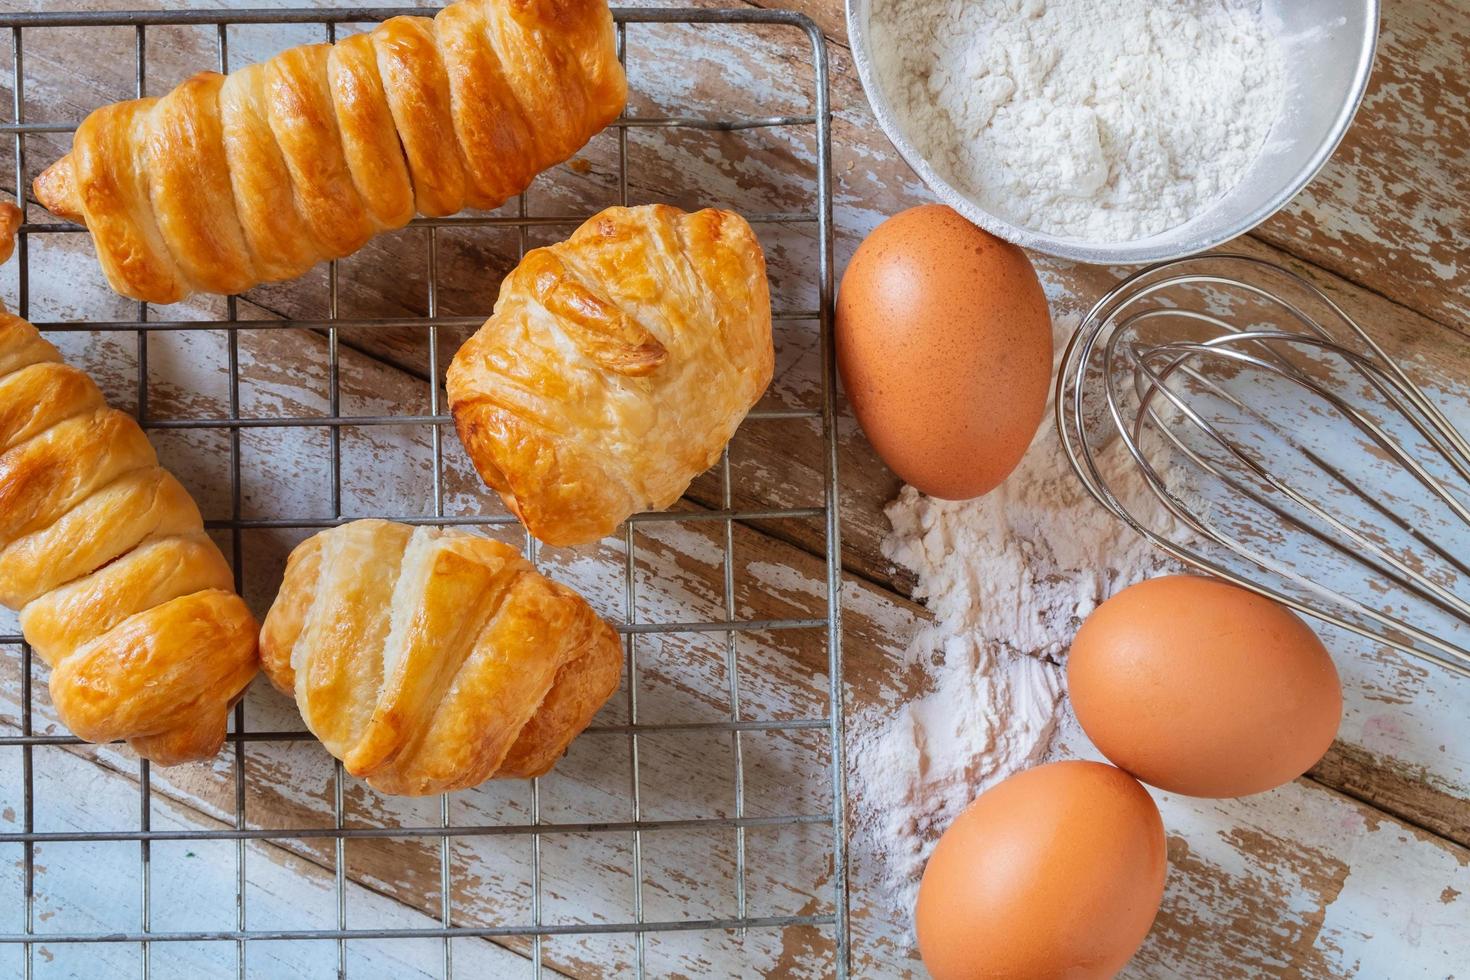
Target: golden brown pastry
pixel 10 221
pixel 431 660
pixel 615 368
pixel 230 181
pixel 103 552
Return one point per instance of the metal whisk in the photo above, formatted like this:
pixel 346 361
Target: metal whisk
pixel 1228 410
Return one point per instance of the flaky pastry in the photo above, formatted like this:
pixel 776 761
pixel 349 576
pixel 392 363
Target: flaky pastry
pixel 615 368
pixel 431 660
pixel 233 180
pixel 104 553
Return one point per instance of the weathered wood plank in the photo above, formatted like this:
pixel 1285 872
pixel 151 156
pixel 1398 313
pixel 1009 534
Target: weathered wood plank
pixel 681 678
pixel 1303 882
pixel 95 887
pixel 285 376
pixel 1389 211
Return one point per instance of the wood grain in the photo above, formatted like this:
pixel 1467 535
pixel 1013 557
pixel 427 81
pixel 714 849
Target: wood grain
pixel 1323 869
pixel 1388 212
pixel 681 678
pixel 92 887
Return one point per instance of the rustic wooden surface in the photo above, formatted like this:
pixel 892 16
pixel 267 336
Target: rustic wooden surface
pixel 1360 868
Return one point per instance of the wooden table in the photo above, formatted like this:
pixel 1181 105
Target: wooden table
pixel 1362 867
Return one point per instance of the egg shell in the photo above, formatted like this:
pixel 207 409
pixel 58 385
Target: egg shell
pixel 1057 871
pixel 1200 687
pixel 944 344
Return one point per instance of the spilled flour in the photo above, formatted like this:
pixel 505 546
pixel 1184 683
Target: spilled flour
pixel 1009 577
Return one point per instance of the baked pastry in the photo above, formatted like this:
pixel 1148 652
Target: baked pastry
pixel 230 181
pixel 105 556
pixel 615 368
pixel 10 222
pixel 431 660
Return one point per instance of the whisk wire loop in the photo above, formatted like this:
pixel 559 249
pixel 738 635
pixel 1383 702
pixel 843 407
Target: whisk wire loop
pixel 1268 440
pixel 1391 566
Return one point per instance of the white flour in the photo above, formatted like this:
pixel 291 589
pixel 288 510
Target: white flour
pixel 1102 120
pixel 1009 577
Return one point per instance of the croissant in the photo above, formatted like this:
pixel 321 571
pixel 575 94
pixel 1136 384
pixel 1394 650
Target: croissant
pixel 615 368
pixel 103 552
pixel 430 660
pixel 230 181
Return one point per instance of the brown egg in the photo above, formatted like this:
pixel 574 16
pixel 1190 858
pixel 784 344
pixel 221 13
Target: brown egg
pixel 944 344
pixel 1054 872
pixel 1199 687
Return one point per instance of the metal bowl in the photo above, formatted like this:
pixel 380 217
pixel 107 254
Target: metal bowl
pixel 1328 56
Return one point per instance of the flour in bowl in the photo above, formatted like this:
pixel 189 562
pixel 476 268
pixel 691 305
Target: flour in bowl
pixel 1101 120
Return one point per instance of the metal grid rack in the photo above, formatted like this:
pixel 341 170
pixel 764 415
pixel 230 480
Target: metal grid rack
pixel 239 739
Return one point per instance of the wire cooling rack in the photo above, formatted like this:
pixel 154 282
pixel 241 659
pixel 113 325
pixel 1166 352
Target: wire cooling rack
pixel 832 917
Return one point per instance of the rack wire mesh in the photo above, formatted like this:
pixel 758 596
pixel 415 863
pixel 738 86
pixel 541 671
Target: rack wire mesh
pixel 725 629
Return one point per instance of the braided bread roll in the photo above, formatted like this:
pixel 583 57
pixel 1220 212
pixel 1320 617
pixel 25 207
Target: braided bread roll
pixel 230 181
pixel 431 660
pixel 104 553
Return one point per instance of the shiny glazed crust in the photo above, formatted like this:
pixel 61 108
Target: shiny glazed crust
pixel 431 660
pixel 230 181
pixel 104 553
pixel 615 368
